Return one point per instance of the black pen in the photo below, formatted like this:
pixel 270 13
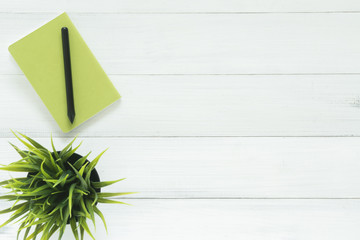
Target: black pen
pixel 68 78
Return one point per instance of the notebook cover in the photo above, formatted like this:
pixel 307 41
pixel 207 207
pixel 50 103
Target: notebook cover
pixel 40 57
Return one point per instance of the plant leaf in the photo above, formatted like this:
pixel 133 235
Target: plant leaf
pixel 103 195
pixel 99 213
pixel 61 233
pixel 81 171
pixel 83 183
pixel 104 200
pixel 53 164
pixel 19 231
pixel 94 195
pixel 47 228
pixel 106 183
pixel 21 167
pixel 27 231
pixel 93 163
pixel 53 148
pixel 37 230
pixel 29 146
pixel 82 232
pixel 32 141
pixel 67 147
pixel 90 209
pixel 46 175
pixel 13 179
pixel 14 197
pixel 71 190
pixel 15 215
pixel 68 154
pixel 83 223
pixel 52 230
pixel 23 154
pixel 74 228
pixel 62 179
pixel 13 208
pixel 80 162
pixel 83 207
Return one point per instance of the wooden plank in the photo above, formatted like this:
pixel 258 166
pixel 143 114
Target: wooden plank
pixel 223 167
pixel 201 106
pixel 206 43
pixel 226 219
pixel 180 6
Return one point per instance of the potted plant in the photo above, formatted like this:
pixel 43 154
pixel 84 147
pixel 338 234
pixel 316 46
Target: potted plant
pixel 60 188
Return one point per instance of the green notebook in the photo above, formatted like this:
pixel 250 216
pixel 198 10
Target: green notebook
pixel 40 57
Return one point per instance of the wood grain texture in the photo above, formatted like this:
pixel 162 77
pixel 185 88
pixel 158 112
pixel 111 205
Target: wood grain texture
pixel 200 106
pixel 223 167
pixel 206 43
pixel 226 219
pixel 180 6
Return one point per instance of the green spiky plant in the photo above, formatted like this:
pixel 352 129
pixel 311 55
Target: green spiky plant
pixel 55 192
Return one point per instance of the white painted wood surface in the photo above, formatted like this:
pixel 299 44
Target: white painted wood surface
pixel 227 219
pixel 202 106
pixel 223 167
pixel 206 43
pixel 170 6
pixel 239 119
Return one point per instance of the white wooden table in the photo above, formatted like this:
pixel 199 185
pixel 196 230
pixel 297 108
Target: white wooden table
pixel 239 119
